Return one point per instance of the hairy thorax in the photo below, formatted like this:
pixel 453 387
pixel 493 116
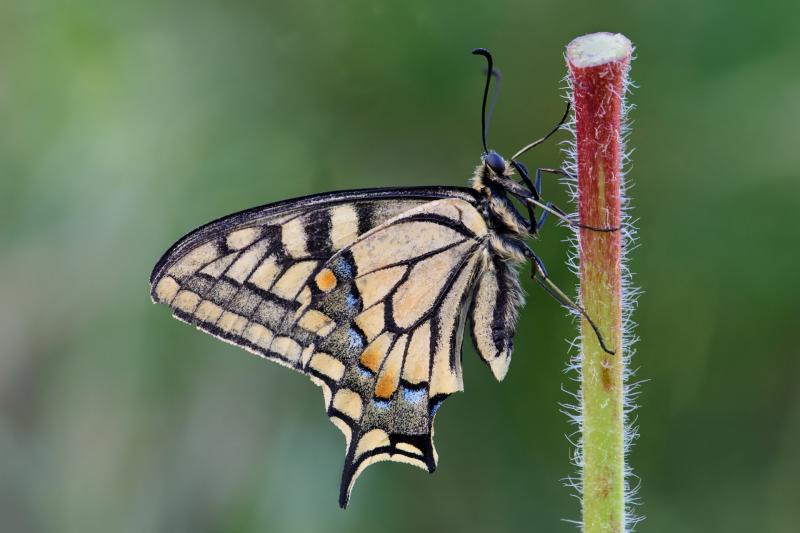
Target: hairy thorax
pixel 507 228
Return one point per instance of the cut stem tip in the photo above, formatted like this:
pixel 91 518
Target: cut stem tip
pixel 597 49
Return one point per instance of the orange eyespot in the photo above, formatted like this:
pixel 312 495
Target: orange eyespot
pixel 326 280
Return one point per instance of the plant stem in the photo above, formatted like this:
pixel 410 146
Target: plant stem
pixel 598 65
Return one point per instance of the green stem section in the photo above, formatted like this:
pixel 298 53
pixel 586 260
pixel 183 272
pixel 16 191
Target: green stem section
pixel 602 395
pixel 598 65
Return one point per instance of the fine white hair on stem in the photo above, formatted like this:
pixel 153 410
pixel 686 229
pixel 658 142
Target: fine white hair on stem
pixel 630 294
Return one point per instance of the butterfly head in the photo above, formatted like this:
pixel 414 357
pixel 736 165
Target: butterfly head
pixel 495 162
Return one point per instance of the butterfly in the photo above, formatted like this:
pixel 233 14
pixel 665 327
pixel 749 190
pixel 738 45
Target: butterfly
pixel 368 292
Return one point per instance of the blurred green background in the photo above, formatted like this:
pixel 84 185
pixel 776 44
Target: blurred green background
pixel 125 124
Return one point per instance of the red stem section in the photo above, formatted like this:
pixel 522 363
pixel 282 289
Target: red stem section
pixel 597 99
pixel 597 96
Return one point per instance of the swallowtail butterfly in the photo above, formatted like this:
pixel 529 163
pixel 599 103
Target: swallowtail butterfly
pixel 367 292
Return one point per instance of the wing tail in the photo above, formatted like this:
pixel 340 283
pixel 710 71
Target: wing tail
pixel 376 445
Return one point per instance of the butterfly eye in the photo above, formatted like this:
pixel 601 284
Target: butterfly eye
pixel 495 162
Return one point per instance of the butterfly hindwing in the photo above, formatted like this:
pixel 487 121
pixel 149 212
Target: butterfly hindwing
pixel 493 314
pixel 388 313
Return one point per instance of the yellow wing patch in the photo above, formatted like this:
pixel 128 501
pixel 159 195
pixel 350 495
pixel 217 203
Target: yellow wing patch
pixel 374 354
pixel 417 364
pixel 242 238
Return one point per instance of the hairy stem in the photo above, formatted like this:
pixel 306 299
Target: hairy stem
pixel 598 66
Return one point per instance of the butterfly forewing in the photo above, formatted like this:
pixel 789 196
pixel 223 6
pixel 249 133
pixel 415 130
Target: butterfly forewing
pixel 239 278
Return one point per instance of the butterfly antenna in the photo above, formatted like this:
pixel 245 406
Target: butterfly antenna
pixel 549 134
pixel 490 69
pixel 498 79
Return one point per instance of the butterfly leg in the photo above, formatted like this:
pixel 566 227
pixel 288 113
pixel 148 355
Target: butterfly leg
pixel 550 205
pixel 543 216
pixel 538 179
pixel 557 211
pixel 557 171
pixel 526 179
pixel 535 188
pixel 535 200
pixel 539 274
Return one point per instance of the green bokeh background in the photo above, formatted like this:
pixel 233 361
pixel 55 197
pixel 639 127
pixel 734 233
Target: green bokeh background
pixel 125 124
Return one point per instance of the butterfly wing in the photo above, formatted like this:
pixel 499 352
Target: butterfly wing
pixel 384 323
pixel 366 292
